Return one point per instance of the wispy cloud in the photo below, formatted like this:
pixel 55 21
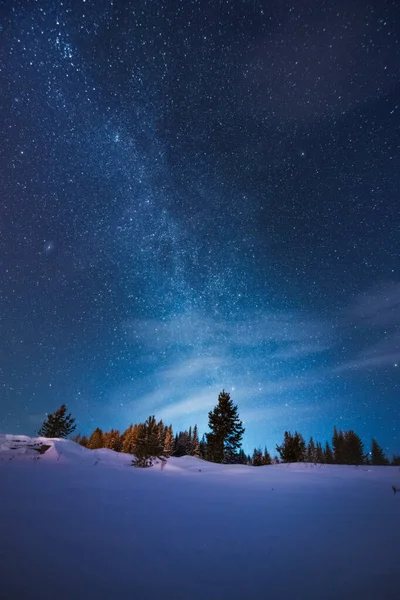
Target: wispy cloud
pixel 375 317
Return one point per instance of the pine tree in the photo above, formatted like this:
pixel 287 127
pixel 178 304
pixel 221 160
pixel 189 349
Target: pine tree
pixel 319 454
pixel 195 442
pixel 242 459
pixel 148 443
pixel 224 441
pixel 257 459
pixel 353 449
pixel 203 447
pixel 112 440
pixel 129 438
pixel 338 447
pixel 328 454
pixel 267 457
pixel 293 448
pixel 182 446
pixel 96 440
pixel 377 455
pixel 311 453
pixel 58 424
pixel 168 442
pixel 395 460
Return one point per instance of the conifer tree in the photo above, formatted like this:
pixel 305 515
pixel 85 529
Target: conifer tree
pixel 129 438
pixel 338 447
pixel 311 453
pixel 353 449
pixel 148 444
pixel 328 454
pixel 267 457
pixel 58 424
pixel 319 453
pixel 293 448
pixel 224 440
pixel 195 442
pixel 112 440
pixel 377 455
pixel 203 447
pixel 395 460
pixel 257 459
pixel 168 442
pixel 96 440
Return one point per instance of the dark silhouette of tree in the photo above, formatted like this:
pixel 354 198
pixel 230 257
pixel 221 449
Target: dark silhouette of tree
pixel 353 449
pixel 338 447
pixel 257 458
pixel 377 455
pixel 195 442
pixel 311 455
pixel 267 457
pixel 224 440
pixel 293 448
pixel 328 454
pixel 58 424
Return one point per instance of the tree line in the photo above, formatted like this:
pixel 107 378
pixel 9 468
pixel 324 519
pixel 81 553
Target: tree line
pixel 153 440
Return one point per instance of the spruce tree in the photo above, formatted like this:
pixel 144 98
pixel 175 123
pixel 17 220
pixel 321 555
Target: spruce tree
pixel 168 442
pixel 319 454
pixel 353 449
pixel 395 460
pixel 195 442
pixel 338 447
pixel 311 453
pixel 58 424
pixel 112 440
pixel 293 448
pixel 267 457
pixel 257 459
pixel 224 440
pixel 148 443
pixel 377 455
pixel 328 454
pixel 96 440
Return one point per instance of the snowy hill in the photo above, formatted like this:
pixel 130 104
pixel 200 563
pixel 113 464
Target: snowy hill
pixel 86 524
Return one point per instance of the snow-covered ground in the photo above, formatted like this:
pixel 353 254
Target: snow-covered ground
pixel 76 523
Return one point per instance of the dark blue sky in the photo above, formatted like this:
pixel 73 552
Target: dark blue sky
pixel 196 196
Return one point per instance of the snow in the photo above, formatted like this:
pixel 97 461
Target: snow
pixel 76 523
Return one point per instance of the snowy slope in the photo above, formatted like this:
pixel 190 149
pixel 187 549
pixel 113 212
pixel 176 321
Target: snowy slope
pixel 76 523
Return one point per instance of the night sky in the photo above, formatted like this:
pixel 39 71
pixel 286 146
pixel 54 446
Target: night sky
pixel 198 195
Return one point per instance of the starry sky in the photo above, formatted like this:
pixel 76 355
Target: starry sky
pixel 197 195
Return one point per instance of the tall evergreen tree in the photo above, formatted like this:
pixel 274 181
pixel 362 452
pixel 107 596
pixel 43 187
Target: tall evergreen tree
pixel 328 454
pixel 319 453
pixel 195 442
pixel 353 449
pixel 338 447
pixel 148 443
pixel 293 448
pixel 224 440
pixel 96 440
pixel 267 457
pixel 377 455
pixel 58 424
pixel 257 459
pixel 395 460
pixel 203 447
pixel 168 442
pixel 311 453
pixel 129 438
pixel 112 440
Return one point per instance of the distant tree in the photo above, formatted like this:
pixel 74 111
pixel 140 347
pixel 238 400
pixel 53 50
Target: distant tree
pixel 203 447
pixel 168 442
pixel 275 460
pixel 328 454
pixel 257 459
pixel 112 440
pixel 293 448
pixel 395 460
pixel 182 446
pixel 129 437
pixel 319 454
pixel 148 444
pixel 242 459
pixel 195 442
pixel 267 457
pixel 96 440
pixel 58 424
pixel 311 455
pixel 84 441
pixel 377 455
pixel 224 440
pixel 353 449
pixel 338 444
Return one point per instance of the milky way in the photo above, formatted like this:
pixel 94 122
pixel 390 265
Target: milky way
pixel 196 196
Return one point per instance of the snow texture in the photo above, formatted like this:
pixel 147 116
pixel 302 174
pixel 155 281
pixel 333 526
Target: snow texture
pixel 77 523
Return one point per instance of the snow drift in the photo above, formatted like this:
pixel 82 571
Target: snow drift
pixel 86 524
